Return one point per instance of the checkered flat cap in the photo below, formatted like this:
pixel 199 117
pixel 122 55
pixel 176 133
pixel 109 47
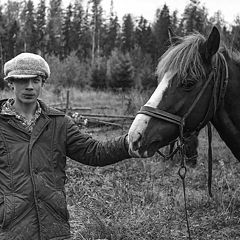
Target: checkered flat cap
pixel 26 65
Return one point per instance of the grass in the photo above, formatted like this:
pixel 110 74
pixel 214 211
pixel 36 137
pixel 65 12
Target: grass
pixel 142 199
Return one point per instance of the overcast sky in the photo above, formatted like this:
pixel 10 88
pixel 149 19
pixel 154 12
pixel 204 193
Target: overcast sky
pixel 147 8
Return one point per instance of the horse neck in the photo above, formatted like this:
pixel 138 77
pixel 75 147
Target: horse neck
pixel 227 116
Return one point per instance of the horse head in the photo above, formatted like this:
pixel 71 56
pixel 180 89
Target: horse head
pixel 186 97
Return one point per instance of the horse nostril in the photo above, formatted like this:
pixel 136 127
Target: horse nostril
pixel 136 142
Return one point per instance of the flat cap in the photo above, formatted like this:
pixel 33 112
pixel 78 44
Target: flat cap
pixel 26 65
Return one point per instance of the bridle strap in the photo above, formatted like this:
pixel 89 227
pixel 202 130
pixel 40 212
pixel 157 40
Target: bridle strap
pixel 157 113
pixel 224 83
pixel 211 76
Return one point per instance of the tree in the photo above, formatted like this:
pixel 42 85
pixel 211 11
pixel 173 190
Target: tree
pixel 86 38
pixel 96 24
pixel 12 25
pixel 29 29
pixel 236 34
pixel 120 70
pixel 194 17
pixel 176 25
pixel 54 27
pixel 67 30
pixel 2 44
pixel 160 31
pixel 77 26
pixel 143 69
pixel 41 27
pixel 144 35
pixel 99 75
pixel 218 20
pixel 112 30
pixel 127 33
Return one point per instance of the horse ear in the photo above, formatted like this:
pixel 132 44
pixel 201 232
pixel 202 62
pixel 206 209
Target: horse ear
pixel 211 46
pixel 172 36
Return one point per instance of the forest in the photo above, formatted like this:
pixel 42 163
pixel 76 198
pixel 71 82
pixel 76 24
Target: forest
pixel 87 48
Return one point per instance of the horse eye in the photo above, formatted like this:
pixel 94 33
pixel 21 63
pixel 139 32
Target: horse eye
pixel 188 84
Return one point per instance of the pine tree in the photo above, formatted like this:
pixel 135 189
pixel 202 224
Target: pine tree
pixel 41 27
pixel 112 31
pixel 2 45
pixel 67 29
pixel 235 43
pixel 86 38
pixel 77 26
pixel 29 29
pixel 54 27
pixel 99 75
pixel 194 17
pixel 160 31
pixel 127 33
pixel 96 24
pixel 120 71
pixel 12 18
pixel 143 35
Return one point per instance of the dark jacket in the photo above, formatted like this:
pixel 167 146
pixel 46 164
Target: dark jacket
pixel 32 173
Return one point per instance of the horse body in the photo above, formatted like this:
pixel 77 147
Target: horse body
pixel 227 118
pixel 194 68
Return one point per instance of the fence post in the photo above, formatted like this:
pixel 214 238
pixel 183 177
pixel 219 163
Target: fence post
pixel 67 101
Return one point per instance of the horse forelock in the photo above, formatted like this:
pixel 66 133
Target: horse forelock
pixel 184 59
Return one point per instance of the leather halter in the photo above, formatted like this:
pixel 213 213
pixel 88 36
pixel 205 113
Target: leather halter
pixel 172 118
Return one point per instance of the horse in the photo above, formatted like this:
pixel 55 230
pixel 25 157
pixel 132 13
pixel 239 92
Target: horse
pixel 199 82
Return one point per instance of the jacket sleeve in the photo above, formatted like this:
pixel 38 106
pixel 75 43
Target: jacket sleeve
pixel 84 149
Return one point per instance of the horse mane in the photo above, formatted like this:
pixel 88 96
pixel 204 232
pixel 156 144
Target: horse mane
pixel 183 58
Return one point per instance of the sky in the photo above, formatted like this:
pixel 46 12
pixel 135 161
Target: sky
pixel 147 8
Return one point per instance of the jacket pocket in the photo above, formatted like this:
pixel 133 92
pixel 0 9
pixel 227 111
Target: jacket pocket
pixel 57 205
pixel 7 210
pixel 12 209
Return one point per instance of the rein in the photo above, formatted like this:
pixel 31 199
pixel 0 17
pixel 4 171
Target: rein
pixel 219 87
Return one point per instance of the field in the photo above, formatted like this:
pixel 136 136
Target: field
pixel 141 199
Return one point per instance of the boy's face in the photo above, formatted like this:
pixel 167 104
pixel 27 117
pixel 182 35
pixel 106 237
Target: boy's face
pixel 27 90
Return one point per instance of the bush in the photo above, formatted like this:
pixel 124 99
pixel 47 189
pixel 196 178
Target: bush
pixel 120 70
pixel 144 70
pixel 99 75
pixel 69 72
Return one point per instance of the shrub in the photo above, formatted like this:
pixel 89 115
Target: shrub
pixel 99 75
pixel 120 70
pixel 69 72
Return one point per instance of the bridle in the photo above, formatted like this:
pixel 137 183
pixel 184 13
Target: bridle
pixel 216 99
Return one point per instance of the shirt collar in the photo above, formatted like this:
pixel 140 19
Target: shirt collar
pixel 9 109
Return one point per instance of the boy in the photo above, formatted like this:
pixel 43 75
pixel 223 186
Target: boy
pixel 34 143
